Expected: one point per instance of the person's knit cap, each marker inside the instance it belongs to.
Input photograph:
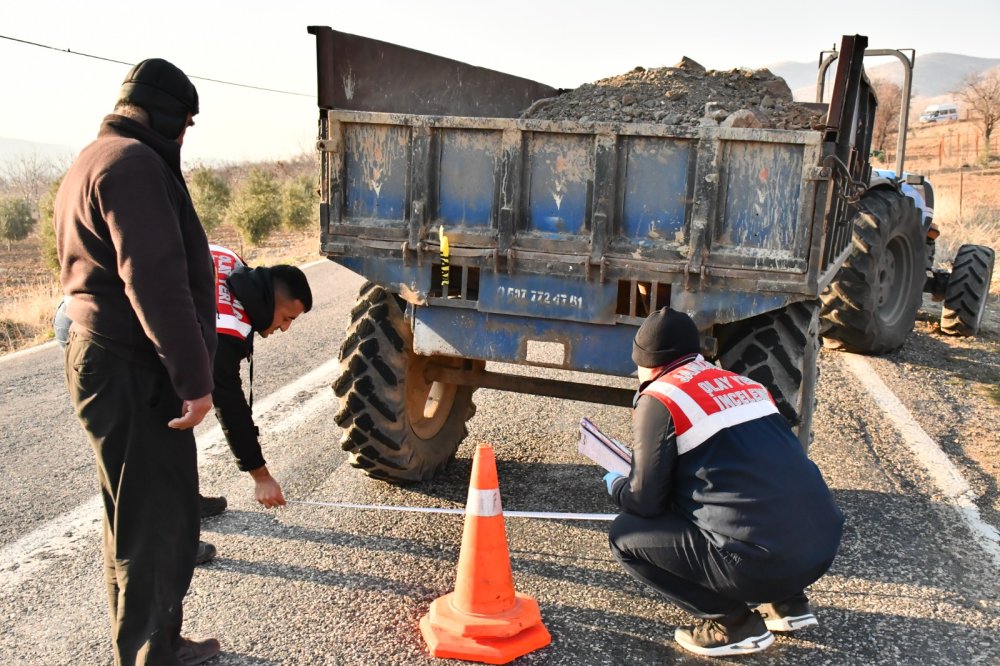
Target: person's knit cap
(164, 92)
(665, 336)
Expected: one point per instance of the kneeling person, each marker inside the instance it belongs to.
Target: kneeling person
(722, 512)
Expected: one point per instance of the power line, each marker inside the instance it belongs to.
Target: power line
(130, 64)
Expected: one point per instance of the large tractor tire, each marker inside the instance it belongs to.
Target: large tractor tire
(967, 290)
(397, 426)
(872, 303)
(779, 349)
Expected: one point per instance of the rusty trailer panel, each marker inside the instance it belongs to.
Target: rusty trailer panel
(709, 208)
(364, 74)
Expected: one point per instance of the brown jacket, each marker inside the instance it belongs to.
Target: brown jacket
(134, 255)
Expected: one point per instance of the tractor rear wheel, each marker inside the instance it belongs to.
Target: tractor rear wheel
(967, 290)
(397, 426)
(779, 349)
(872, 303)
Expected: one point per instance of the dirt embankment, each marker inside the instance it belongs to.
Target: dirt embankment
(687, 95)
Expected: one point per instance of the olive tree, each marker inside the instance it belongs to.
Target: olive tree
(47, 229)
(16, 221)
(298, 203)
(210, 196)
(255, 207)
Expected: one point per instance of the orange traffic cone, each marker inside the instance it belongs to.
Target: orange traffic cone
(484, 619)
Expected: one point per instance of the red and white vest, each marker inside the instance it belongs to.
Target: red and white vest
(704, 399)
(230, 319)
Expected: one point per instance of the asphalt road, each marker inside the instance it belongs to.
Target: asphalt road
(318, 585)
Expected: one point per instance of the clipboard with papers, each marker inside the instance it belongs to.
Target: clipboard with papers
(606, 451)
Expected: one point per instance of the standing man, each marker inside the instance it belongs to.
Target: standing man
(263, 300)
(722, 510)
(135, 260)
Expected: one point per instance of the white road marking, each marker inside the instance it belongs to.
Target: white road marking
(945, 475)
(27, 352)
(67, 534)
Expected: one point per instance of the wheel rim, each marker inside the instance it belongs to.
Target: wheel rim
(894, 277)
(428, 404)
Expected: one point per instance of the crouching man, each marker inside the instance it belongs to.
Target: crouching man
(264, 300)
(722, 513)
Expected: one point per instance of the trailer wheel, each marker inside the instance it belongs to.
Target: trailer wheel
(967, 290)
(778, 349)
(397, 426)
(872, 303)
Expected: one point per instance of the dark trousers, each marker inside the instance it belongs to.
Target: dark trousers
(671, 555)
(148, 476)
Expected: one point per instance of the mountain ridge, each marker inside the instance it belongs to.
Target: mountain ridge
(934, 74)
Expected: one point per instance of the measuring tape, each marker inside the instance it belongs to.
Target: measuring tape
(544, 515)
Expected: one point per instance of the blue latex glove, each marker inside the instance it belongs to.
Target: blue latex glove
(609, 479)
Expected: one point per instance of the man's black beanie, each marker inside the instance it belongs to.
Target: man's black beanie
(164, 92)
(665, 336)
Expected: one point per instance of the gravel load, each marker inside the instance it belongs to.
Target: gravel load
(686, 94)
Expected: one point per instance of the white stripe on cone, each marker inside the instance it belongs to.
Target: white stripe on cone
(483, 503)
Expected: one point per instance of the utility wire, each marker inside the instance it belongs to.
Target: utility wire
(130, 64)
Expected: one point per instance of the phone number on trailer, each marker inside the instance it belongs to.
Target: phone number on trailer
(516, 294)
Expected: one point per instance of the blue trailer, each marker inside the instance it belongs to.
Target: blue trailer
(485, 237)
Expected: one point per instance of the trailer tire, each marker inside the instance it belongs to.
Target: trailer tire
(967, 291)
(871, 305)
(779, 349)
(396, 426)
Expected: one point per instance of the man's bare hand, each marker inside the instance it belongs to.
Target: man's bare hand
(268, 491)
(192, 412)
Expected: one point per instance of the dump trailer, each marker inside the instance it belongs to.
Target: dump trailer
(489, 238)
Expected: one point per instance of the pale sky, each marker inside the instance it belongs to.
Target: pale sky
(57, 98)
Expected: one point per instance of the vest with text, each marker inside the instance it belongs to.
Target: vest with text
(231, 319)
(704, 399)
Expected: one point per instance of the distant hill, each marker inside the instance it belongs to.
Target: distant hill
(797, 74)
(934, 74)
(13, 149)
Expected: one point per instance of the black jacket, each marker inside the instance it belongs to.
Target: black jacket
(750, 487)
(134, 256)
(254, 289)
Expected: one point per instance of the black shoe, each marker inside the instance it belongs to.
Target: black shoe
(206, 553)
(718, 638)
(211, 506)
(192, 652)
(791, 614)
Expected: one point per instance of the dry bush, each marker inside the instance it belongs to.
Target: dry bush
(979, 225)
(26, 314)
(967, 211)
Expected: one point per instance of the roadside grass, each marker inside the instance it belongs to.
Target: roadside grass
(979, 225)
(26, 314)
(967, 211)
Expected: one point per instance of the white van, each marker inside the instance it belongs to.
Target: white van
(936, 113)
